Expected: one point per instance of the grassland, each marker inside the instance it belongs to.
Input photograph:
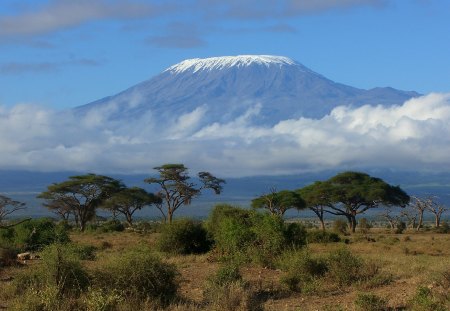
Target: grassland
(409, 262)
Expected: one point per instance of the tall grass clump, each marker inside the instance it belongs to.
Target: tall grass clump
(301, 270)
(60, 277)
(184, 236)
(138, 275)
(370, 302)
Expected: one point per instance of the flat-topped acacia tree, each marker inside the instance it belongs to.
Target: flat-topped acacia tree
(353, 193)
(82, 195)
(130, 200)
(177, 189)
(278, 202)
(7, 207)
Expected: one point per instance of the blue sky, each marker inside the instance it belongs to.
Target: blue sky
(62, 53)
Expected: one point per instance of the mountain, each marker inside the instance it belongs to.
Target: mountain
(224, 88)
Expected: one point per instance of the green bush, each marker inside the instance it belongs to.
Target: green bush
(84, 252)
(316, 236)
(251, 236)
(301, 270)
(344, 267)
(370, 302)
(184, 236)
(295, 234)
(35, 234)
(226, 274)
(60, 270)
(443, 228)
(138, 274)
(424, 300)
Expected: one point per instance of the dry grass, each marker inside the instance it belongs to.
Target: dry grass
(412, 258)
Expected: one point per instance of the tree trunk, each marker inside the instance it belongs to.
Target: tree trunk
(129, 220)
(353, 222)
(437, 221)
(169, 216)
(322, 223)
(419, 224)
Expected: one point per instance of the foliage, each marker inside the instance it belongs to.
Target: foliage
(351, 193)
(277, 203)
(301, 270)
(344, 267)
(226, 274)
(364, 225)
(60, 274)
(101, 300)
(8, 256)
(251, 235)
(316, 236)
(138, 274)
(370, 302)
(129, 200)
(112, 225)
(424, 300)
(176, 189)
(35, 234)
(401, 226)
(184, 236)
(81, 195)
(8, 207)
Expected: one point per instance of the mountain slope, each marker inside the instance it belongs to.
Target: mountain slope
(224, 88)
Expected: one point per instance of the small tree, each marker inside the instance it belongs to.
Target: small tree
(420, 205)
(130, 200)
(279, 202)
(82, 195)
(7, 207)
(317, 198)
(177, 189)
(351, 193)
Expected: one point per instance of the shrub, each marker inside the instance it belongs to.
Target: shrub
(401, 226)
(295, 234)
(301, 270)
(184, 236)
(316, 236)
(226, 274)
(84, 252)
(38, 233)
(138, 274)
(370, 302)
(344, 267)
(101, 300)
(60, 270)
(443, 228)
(340, 226)
(8, 256)
(423, 300)
(248, 235)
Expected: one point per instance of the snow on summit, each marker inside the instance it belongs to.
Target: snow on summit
(213, 63)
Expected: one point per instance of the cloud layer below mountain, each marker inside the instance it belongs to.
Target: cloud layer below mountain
(414, 136)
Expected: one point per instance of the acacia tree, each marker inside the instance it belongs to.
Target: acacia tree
(130, 200)
(420, 205)
(429, 204)
(317, 198)
(7, 207)
(351, 193)
(81, 194)
(354, 193)
(279, 202)
(176, 188)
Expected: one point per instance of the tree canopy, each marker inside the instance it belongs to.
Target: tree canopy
(351, 193)
(176, 188)
(279, 202)
(82, 195)
(129, 200)
(7, 207)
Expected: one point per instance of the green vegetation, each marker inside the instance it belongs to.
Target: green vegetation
(238, 259)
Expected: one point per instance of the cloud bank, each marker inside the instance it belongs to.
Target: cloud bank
(414, 136)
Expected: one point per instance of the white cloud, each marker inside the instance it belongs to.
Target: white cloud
(415, 135)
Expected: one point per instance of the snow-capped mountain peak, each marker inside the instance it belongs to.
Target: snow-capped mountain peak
(218, 63)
